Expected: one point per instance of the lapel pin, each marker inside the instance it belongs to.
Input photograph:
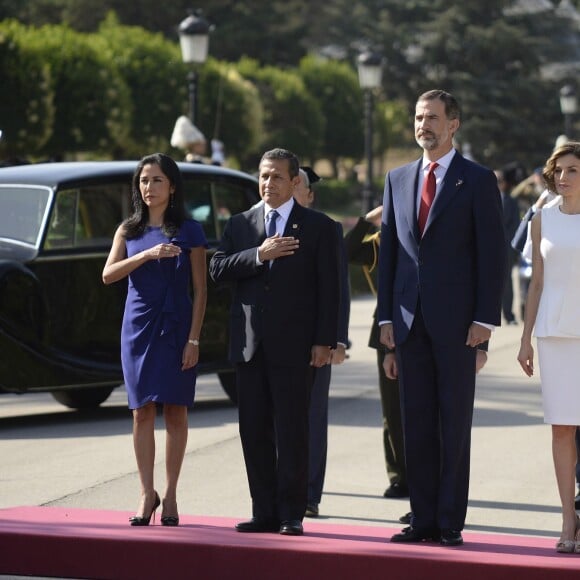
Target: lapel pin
(294, 226)
(459, 182)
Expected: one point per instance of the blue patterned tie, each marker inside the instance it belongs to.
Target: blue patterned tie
(271, 222)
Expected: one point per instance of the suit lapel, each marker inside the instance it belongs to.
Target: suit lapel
(294, 222)
(454, 179)
(256, 221)
(408, 200)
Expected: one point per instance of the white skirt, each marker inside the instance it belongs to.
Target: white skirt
(559, 360)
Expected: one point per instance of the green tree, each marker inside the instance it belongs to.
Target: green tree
(229, 107)
(93, 107)
(292, 117)
(493, 55)
(230, 110)
(27, 103)
(391, 129)
(32, 12)
(335, 86)
(272, 33)
(151, 68)
(492, 65)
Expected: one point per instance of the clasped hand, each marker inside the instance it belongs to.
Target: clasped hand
(477, 334)
(320, 356)
(163, 251)
(277, 247)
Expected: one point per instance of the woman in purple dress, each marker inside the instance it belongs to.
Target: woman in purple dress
(163, 253)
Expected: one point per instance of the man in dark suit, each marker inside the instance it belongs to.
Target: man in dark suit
(441, 266)
(511, 221)
(283, 262)
(318, 415)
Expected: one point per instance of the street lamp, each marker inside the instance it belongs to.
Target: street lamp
(369, 77)
(568, 106)
(194, 40)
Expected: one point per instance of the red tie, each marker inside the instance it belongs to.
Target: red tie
(427, 196)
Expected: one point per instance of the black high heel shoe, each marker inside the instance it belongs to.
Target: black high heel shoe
(169, 520)
(142, 520)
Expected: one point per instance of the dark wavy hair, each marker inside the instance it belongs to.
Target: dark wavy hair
(175, 213)
(570, 148)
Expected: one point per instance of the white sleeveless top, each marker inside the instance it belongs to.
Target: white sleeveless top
(559, 308)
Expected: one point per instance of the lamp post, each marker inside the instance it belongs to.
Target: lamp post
(369, 77)
(569, 107)
(194, 40)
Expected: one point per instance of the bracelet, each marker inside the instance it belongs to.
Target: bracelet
(193, 341)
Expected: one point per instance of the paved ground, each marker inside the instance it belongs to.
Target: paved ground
(513, 487)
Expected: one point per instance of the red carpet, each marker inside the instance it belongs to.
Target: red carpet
(77, 543)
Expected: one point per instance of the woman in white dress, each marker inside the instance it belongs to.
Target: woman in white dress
(553, 312)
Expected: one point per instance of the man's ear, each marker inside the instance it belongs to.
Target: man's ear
(454, 125)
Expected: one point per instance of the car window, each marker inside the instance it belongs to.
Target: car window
(22, 211)
(230, 198)
(198, 204)
(212, 201)
(87, 216)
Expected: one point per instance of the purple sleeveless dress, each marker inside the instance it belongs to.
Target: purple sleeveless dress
(157, 321)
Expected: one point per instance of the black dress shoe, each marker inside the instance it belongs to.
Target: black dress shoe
(258, 526)
(451, 538)
(291, 528)
(406, 519)
(411, 534)
(311, 510)
(396, 490)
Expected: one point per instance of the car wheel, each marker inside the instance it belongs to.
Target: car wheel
(228, 381)
(83, 398)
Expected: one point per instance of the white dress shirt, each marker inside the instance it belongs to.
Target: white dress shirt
(442, 166)
(283, 214)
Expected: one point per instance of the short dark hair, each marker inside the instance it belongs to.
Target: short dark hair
(452, 108)
(278, 153)
(570, 148)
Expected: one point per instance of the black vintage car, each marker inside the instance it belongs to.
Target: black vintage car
(59, 324)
